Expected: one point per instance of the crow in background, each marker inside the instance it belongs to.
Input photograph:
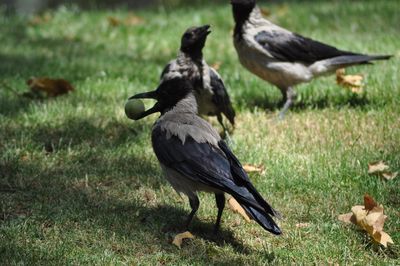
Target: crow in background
(211, 94)
(284, 58)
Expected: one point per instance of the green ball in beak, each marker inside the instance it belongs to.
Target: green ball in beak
(134, 108)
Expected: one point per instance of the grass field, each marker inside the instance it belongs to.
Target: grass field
(79, 183)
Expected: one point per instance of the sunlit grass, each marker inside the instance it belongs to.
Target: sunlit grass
(79, 183)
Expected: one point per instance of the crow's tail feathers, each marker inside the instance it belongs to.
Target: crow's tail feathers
(349, 60)
(263, 219)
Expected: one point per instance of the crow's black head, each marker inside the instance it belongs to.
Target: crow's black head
(168, 94)
(242, 9)
(194, 39)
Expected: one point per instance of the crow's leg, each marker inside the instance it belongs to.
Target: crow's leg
(194, 204)
(284, 96)
(224, 132)
(289, 97)
(220, 199)
(219, 117)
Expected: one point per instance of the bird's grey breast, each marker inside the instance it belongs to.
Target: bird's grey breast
(204, 93)
(261, 63)
(183, 125)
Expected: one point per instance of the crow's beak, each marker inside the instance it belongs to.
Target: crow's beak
(204, 30)
(147, 95)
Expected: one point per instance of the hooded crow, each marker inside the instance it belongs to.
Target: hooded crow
(211, 94)
(193, 157)
(284, 58)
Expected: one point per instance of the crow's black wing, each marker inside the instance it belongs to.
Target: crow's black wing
(208, 165)
(241, 178)
(221, 98)
(292, 47)
(201, 162)
(166, 69)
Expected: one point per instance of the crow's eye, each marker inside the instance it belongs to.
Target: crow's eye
(188, 35)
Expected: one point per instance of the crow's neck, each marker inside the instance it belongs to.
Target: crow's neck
(185, 59)
(186, 105)
(196, 56)
(253, 16)
(240, 16)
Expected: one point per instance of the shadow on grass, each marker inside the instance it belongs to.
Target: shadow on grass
(89, 191)
(52, 197)
(270, 104)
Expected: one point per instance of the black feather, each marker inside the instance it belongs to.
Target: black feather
(221, 98)
(265, 221)
(293, 47)
(241, 178)
(166, 69)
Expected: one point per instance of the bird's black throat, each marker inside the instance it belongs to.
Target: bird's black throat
(194, 52)
(241, 15)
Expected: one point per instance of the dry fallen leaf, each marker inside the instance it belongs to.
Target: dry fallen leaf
(347, 218)
(265, 11)
(389, 175)
(180, 237)
(40, 19)
(51, 87)
(113, 21)
(216, 65)
(383, 238)
(282, 10)
(381, 169)
(235, 206)
(370, 218)
(377, 167)
(131, 20)
(253, 168)
(353, 82)
(302, 225)
(369, 202)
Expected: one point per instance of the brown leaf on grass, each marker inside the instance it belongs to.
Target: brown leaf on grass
(353, 82)
(133, 20)
(51, 87)
(265, 11)
(377, 167)
(369, 202)
(302, 225)
(282, 10)
(40, 19)
(235, 206)
(114, 21)
(389, 175)
(216, 65)
(383, 238)
(381, 169)
(249, 168)
(130, 20)
(370, 218)
(347, 218)
(178, 239)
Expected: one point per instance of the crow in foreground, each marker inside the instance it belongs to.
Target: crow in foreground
(194, 158)
(284, 58)
(210, 91)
